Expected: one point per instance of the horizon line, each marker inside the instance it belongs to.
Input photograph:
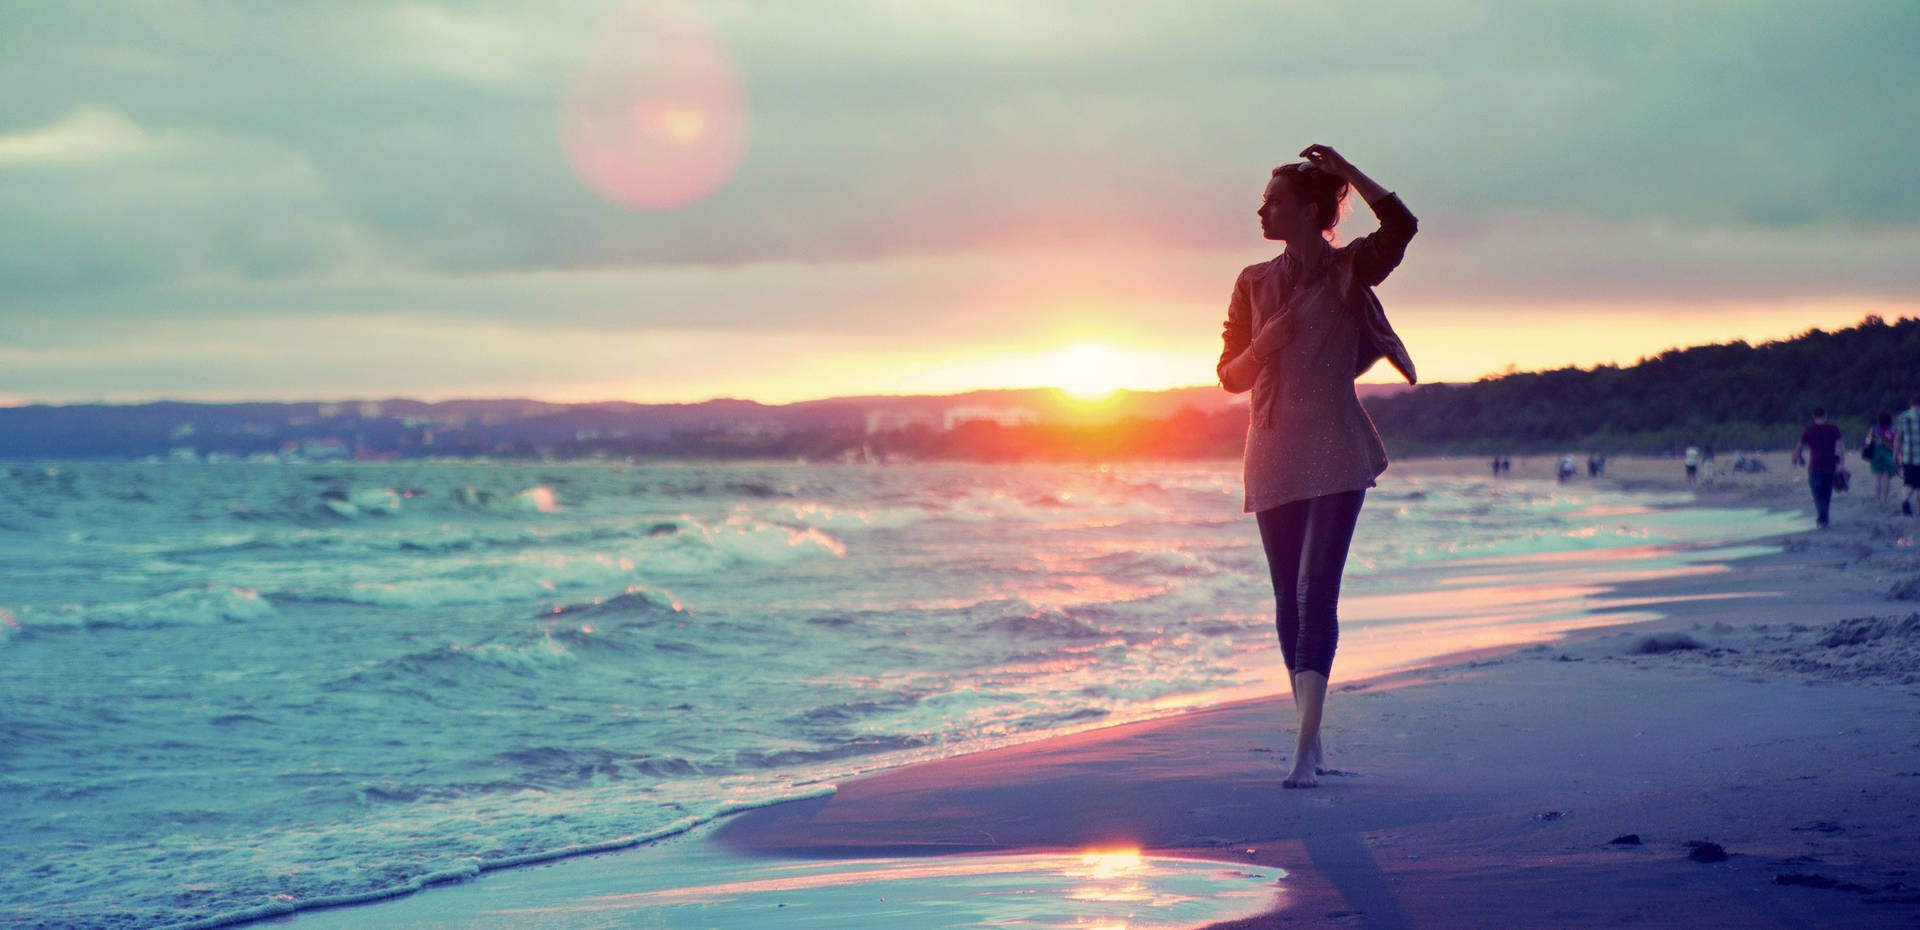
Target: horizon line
(583, 403)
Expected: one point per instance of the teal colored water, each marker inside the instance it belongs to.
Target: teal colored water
(231, 687)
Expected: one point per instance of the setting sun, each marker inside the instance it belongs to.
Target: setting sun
(1093, 370)
(1086, 370)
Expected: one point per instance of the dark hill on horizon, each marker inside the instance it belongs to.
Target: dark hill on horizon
(1730, 396)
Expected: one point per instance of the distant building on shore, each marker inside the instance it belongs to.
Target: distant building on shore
(886, 421)
(1004, 416)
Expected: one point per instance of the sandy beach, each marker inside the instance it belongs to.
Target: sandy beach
(720, 465)
(1747, 759)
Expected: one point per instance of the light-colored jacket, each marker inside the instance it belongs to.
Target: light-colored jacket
(1307, 433)
(1262, 290)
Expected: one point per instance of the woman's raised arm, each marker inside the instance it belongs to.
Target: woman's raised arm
(1376, 255)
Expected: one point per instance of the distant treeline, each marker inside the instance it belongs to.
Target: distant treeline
(1727, 397)
(1732, 396)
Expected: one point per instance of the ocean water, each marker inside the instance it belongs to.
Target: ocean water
(239, 689)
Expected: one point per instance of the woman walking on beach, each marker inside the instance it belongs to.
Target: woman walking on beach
(1299, 330)
(1879, 448)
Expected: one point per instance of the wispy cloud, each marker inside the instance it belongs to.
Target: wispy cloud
(85, 136)
(485, 47)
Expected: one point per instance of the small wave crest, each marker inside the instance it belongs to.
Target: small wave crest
(213, 603)
(496, 580)
(1046, 624)
(357, 502)
(559, 767)
(986, 506)
(1151, 564)
(529, 658)
(701, 549)
(845, 519)
(637, 602)
(379, 885)
(692, 549)
(343, 502)
(844, 749)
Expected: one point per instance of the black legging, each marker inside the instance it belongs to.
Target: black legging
(1306, 543)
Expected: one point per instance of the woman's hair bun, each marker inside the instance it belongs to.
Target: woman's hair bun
(1315, 175)
(1322, 188)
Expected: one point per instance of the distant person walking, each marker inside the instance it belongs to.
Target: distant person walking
(1880, 458)
(1299, 330)
(1693, 463)
(1906, 451)
(1822, 443)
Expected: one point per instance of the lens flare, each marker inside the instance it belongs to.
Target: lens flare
(654, 118)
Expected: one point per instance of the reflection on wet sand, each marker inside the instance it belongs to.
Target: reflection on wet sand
(1119, 889)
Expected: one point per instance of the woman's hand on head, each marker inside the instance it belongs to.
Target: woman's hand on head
(1326, 159)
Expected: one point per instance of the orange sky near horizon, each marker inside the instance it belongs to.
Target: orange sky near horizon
(1448, 344)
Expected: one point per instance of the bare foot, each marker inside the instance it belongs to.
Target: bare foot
(1302, 777)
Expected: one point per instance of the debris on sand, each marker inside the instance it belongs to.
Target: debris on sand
(1703, 851)
(1663, 642)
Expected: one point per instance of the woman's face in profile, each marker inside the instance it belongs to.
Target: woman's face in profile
(1280, 211)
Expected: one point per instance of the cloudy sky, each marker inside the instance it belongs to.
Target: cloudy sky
(587, 199)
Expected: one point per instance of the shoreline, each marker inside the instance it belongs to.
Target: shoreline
(1511, 819)
(869, 819)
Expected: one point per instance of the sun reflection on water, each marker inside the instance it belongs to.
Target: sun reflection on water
(1107, 863)
(1112, 876)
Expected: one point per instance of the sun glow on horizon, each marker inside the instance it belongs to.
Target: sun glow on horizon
(1087, 371)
